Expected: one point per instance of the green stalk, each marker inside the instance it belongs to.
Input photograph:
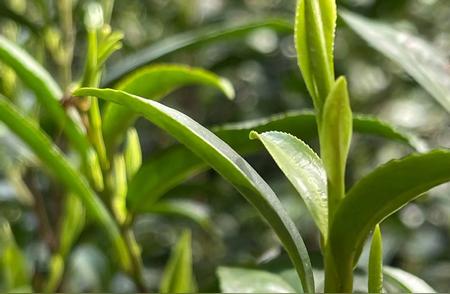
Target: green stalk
(135, 255)
(91, 79)
(68, 35)
(335, 135)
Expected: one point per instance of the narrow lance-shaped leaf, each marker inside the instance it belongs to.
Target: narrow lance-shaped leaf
(93, 22)
(203, 36)
(375, 283)
(335, 137)
(155, 177)
(378, 195)
(315, 23)
(178, 276)
(425, 63)
(241, 280)
(48, 94)
(304, 169)
(52, 158)
(154, 82)
(42, 84)
(227, 163)
(405, 282)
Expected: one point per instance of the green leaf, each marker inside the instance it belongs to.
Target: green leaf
(315, 23)
(42, 84)
(13, 264)
(302, 124)
(425, 63)
(378, 195)
(155, 177)
(375, 283)
(109, 42)
(154, 82)
(193, 210)
(227, 163)
(203, 36)
(335, 137)
(53, 159)
(304, 169)
(406, 282)
(240, 280)
(178, 276)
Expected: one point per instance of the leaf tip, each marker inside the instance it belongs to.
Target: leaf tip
(341, 82)
(227, 88)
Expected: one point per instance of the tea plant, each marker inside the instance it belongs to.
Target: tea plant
(98, 159)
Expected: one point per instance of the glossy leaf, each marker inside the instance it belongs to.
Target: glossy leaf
(406, 282)
(227, 163)
(378, 195)
(240, 280)
(425, 63)
(155, 177)
(53, 159)
(335, 137)
(178, 276)
(47, 91)
(315, 23)
(375, 283)
(208, 35)
(154, 82)
(302, 124)
(304, 169)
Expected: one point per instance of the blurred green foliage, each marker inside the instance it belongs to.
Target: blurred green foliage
(262, 67)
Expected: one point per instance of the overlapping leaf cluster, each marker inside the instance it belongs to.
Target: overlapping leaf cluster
(105, 181)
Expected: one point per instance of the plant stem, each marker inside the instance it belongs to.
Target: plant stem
(135, 255)
(90, 79)
(68, 36)
(41, 212)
